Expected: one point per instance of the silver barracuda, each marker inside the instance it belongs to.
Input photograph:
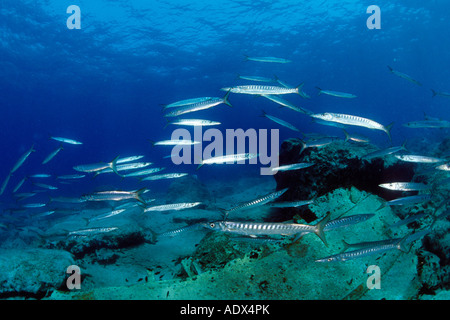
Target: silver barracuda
(295, 166)
(355, 137)
(105, 215)
(22, 159)
(352, 120)
(404, 201)
(200, 106)
(428, 124)
(285, 103)
(5, 183)
(268, 59)
(164, 176)
(418, 158)
(186, 102)
(257, 202)
(95, 167)
(317, 143)
(257, 229)
(143, 172)
(444, 167)
(336, 94)
(290, 204)
(71, 176)
(367, 249)
(261, 90)
(114, 196)
(229, 158)
(194, 122)
(66, 140)
(405, 186)
(21, 182)
(126, 167)
(129, 159)
(384, 152)
(256, 78)
(52, 155)
(173, 206)
(440, 93)
(176, 142)
(87, 232)
(404, 76)
(280, 122)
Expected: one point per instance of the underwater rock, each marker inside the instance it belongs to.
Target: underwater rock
(124, 237)
(337, 165)
(32, 273)
(288, 270)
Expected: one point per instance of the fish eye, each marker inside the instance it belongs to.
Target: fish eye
(212, 224)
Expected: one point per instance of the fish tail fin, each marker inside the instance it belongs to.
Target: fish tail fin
(225, 99)
(113, 165)
(263, 113)
(319, 228)
(152, 142)
(390, 69)
(347, 136)
(138, 194)
(402, 245)
(434, 93)
(320, 91)
(303, 143)
(387, 129)
(346, 246)
(224, 213)
(404, 146)
(246, 57)
(87, 220)
(167, 123)
(199, 166)
(299, 88)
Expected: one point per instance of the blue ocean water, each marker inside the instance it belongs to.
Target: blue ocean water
(105, 83)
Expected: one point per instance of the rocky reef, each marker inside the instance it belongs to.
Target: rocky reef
(336, 165)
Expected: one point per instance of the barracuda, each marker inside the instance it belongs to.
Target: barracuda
(280, 122)
(405, 186)
(173, 206)
(255, 229)
(336, 94)
(200, 106)
(257, 202)
(262, 90)
(367, 249)
(352, 120)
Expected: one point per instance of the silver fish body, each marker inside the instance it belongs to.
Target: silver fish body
(261, 90)
(255, 229)
(337, 94)
(418, 158)
(66, 140)
(22, 159)
(405, 186)
(368, 249)
(173, 206)
(352, 120)
(281, 122)
(258, 202)
(294, 166)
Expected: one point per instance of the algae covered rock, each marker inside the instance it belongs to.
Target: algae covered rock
(32, 272)
(337, 165)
